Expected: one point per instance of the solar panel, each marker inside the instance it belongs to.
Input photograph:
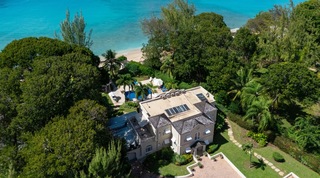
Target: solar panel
(177, 109)
(187, 108)
(201, 97)
(167, 111)
(172, 111)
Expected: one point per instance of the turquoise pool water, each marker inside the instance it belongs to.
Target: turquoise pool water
(115, 23)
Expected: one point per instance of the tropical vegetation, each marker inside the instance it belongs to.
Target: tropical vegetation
(265, 78)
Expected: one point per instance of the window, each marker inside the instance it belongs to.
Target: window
(207, 131)
(166, 141)
(197, 136)
(149, 148)
(167, 131)
(189, 138)
(188, 150)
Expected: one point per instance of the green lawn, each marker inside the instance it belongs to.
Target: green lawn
(240, 159)
(174, 170)
(290, 165)
(142, 77)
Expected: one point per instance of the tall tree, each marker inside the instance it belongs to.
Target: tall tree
(66, 145)
(250, 93)
(243, 77)
(306, 133)
(125, 80)
(152, 88)
(291, 81)
(141, 90)
(53, 86)
(244, 45)
(260, 114)
(110, 162)
(74, 32)
(112, 63)
(248, 147)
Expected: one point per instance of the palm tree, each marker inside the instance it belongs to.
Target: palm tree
(249, 93)
(125, 80)
(259, 112)
(113, 65)
(152, 88)
(248, 147)
(167, 66)
(244, 76)
(141, 90)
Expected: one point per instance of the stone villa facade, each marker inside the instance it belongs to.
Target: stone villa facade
(181, 119)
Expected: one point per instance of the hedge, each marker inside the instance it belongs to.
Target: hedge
(288, 146)
(242, 123)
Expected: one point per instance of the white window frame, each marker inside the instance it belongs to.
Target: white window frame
(188, 138)
(148, 148)
(167, 131)
(208, 131)
(188, 150)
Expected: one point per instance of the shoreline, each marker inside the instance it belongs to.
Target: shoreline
(133, 54)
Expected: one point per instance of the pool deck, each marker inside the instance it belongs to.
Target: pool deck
(119, 93)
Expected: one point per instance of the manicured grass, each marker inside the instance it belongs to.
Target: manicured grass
(240, 159)
(142, 77)
(128, 107)
(290, 164)
(174, 170)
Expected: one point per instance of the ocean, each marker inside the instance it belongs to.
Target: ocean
(115, 23)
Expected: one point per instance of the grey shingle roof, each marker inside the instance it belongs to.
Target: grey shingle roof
(185, 126)
(159, 121)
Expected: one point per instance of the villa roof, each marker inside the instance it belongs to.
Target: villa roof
(174, 99)
(159, 121)
(184, 126)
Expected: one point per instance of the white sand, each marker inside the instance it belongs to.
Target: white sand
(132, 54)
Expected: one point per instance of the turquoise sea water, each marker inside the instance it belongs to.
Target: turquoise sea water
(115, 23)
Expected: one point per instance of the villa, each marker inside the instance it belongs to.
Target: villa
(181, 119)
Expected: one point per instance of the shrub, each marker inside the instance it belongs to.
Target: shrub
(133, 68)
(122, 58)
(184, 85)
(260, 138)
(234, 107)
(278, 157)
(180, 160)
(288, 146)
(200, 165)
(188, 158)
(242, 123)
(212, 148)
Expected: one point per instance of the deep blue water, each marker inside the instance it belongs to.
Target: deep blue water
(115, 23)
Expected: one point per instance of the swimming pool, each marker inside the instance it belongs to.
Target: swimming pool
(131, 94)
(121, 128)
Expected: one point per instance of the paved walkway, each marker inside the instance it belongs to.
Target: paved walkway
(230, 133)
(219, 168)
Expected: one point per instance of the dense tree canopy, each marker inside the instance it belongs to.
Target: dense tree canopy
(41, 78)
(66, 145)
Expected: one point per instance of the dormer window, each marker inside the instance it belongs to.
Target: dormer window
(167, 131)
(189, 138)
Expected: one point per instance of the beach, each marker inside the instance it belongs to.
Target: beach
(131, 54)
(134, 54)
